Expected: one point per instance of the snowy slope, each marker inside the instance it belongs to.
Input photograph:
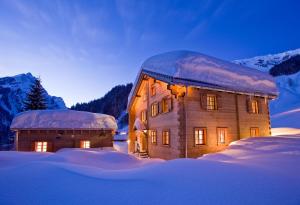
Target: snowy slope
(13, 92)
(260, 171)
(288, 86)
(266, 62)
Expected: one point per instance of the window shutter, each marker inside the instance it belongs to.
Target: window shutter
(219, 101)
(170, 103)
(260, 108)
(160, 106)
(248, 105)
(203, 101)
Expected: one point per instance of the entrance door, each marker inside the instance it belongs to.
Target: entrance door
(141, 142)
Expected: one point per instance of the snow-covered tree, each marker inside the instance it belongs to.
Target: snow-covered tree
(36, 97)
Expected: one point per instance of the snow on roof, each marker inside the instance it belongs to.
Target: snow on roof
(63, 119)
(196, 69)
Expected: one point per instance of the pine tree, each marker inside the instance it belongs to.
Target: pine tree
(36, 97)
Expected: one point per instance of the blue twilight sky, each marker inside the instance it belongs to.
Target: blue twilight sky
(81, 49)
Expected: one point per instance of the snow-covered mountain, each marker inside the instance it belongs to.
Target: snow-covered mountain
(13, 91)
(266, 62)
(285, 110)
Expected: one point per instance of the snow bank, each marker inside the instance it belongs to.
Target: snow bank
(260, 171)
(63, 119)
(202, 68)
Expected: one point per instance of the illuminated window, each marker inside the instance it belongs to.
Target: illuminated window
(85, 144)
(254, 106)
(144, 96)
(144, 116)
(154, 109)
(153, 136)
(166, 137)
(41, 146)
(254, 132)
(166, 104)
(200, 134)
(222, 134)
(153, 90)
(211, 102)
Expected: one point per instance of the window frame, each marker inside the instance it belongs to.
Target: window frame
(153, 90)
(204, 130)
(256, 131)
(153, 136)
(144, 115)
(255, 108)
(164, 105)
(152, 109)
(225, 135)
(163, 138)
(85, 144)
(214, 106)
(43, 146)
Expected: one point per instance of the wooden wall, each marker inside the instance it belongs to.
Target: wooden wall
(58, 139)
(232, 113)
(188, 113)
(164, 121)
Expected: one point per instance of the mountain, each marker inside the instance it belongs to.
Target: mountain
(285, 67)
(288, 67)
(13, 92)
(266, 62)
(112, 103)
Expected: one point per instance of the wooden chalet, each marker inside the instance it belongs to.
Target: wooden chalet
(186, 104)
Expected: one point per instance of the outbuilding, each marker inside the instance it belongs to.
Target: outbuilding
(51, 130)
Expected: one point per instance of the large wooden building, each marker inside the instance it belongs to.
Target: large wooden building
(51, 130)
(186, 104)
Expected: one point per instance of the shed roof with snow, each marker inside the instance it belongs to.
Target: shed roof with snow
(63, 119)
(195, 69)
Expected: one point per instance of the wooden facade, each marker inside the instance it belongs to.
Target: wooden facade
(55, 139)
(197, 120)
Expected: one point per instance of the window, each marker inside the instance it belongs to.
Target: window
(154, 109)
(200, 135)
(211, 102)
(254, 106)
(254, 132)
(166, 137)
(153, 90)
(144, 116)
(165, 105)
(144, 97)
(41, 146)
(222, 134)
(85, 144)
(153, 136)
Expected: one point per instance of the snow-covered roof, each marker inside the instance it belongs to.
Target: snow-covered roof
(196, 69)
(63, 119)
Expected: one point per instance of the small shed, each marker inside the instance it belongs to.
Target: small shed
(51, 130)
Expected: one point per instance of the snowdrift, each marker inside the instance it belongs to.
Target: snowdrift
(252, 171)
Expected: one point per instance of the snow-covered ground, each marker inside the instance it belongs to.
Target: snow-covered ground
(252, 171)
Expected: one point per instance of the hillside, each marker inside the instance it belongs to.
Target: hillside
(266, 62)
(285, 67)
(13, 91)
(112, 103)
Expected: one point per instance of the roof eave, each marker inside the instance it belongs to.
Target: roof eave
(191, 83)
